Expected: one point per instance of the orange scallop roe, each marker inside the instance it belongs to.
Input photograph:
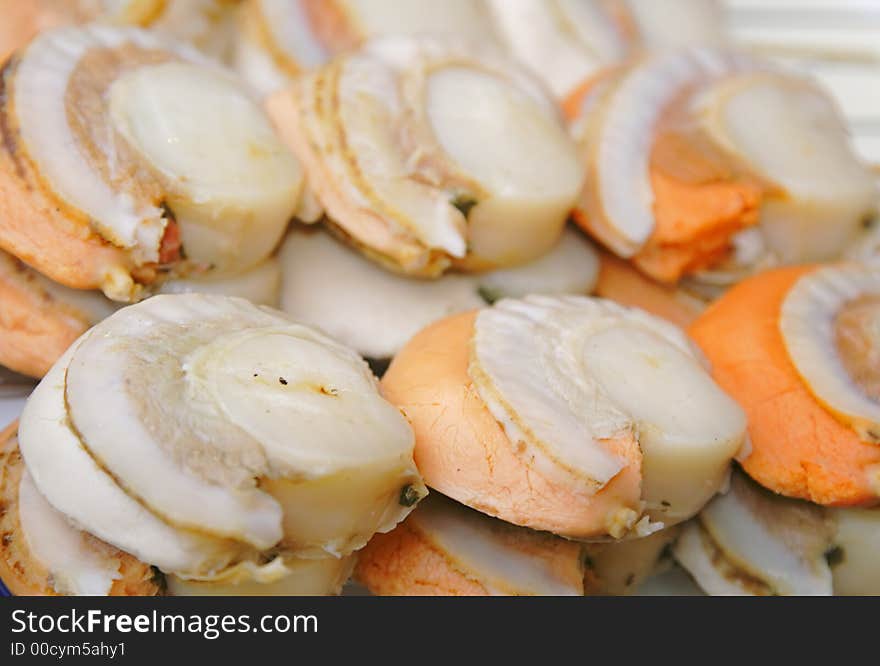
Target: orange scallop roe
(463, 452)
(699, 204)
(35, 228)
(694, 224)
(799, 449)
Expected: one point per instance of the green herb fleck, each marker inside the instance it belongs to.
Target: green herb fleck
(464, 203)
(835, 556)
(489, 295)
(408, 496)
(378, 365)
(159, 580)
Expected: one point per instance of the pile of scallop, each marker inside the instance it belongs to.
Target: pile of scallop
(620, 280)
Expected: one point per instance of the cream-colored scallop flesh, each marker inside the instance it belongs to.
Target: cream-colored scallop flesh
(531, 183)
(571, 267)
(231, 183)
(788, 132)
(292, 44)
(749, 541)
(688, 428)
(255, 64)
(857, 537)
(621, 137)
(283, 576)
(562, 41)
(132, 12)
(594, 26)
(292, 33)
(394, 226)
(697, 555)
(371, 113)
(71, 480)
(866, 248)
(93, 306)
(238, 409)
(360, 304)
(461, 19)
(620, 567)
(118, 403)
(749, 254)
(384, 138)
(807, 323)
(675, 24)
(75, 566)
(209, 25)
(505, 559)
(345, 424)
(562, 374)
(376, 312)
(260, 285)
(39, 90)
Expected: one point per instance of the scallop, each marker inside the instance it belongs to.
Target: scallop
(376, 312)
(199, 163)
(619, 134)
(359, 303)
(75, 565)
(231, 184)
(419, 181)
(272, 443)
(260, 284)
(854, 556)
(830, 324)
(621, 567)
(749, 541)
(565, 376)
(571, 267)
(504, 558)
(788, 132)
(283, 576)
(447, 548)
(560, 40)
(54, 455)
